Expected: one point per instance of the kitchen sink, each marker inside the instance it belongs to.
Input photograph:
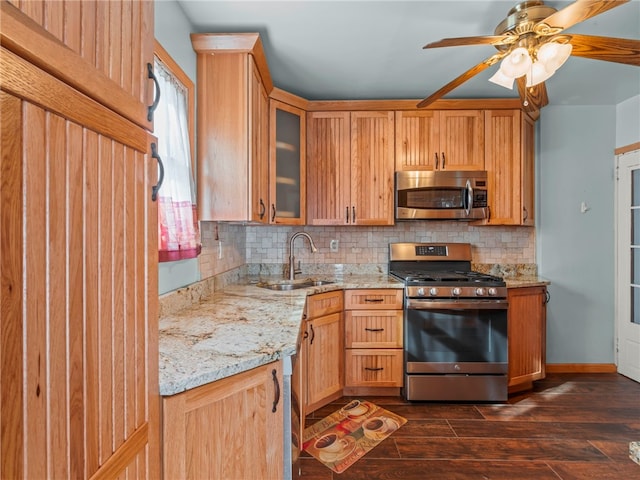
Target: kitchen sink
(295, 285)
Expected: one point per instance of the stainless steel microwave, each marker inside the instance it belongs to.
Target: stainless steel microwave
(441, 195)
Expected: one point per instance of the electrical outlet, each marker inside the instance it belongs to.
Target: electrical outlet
(219, 249)
(333, 246)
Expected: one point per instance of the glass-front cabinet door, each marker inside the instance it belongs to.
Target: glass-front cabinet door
(287, 190)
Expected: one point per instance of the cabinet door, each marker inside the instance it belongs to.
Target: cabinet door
(527, 334)
(328, 168)
(417, 140)
(259, 118)
(504, 166)
(287, 165)
(325, 360)
(461, 140)
(79, 376)
(115, 39)
(231, 428)
(372, 167)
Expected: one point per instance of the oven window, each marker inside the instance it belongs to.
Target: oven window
(432, 198)
(456, 336)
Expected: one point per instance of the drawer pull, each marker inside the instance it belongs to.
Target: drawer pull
(374, 329)
(374, 300)
(374, 369)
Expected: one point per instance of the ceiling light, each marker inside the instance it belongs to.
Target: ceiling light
(517, 63)
(553, 54)
(538, 74)
(501, 79)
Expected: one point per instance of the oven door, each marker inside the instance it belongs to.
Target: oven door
(456, 336)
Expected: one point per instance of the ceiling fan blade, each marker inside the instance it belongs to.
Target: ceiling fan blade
(618, 50)
(461, 79)
(533, 98)
(577, 12)
(462, 41)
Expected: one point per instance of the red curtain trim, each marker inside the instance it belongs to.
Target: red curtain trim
(174, 255)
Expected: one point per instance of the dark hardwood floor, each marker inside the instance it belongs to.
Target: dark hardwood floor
(571, 426)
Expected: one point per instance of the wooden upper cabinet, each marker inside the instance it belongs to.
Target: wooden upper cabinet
(233, 118)
(350, 168)
(114, 38)
(439, 140)
(287, 163)
(328, 167)
(79, 377)
(510, 167)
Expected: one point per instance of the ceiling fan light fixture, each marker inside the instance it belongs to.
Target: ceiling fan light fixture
(553, 54)
(517, 63)
(501, 79)
(538, 74)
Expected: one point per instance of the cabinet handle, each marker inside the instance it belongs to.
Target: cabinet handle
(547, 297)
(276, 385)
(306, 335)
(436, 158)
(263, 209)
(374, 300)
(374, 329)
(525, 214)
(273, 212)
(353, 214)
(156, 100)
(374, 369)
(489, 213)
(442, 160)
(156, 187)
(347, 215)
(313, 334)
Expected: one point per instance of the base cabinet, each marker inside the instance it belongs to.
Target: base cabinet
(373, 340)
(323, 349)
(231, 428)
(527, 336)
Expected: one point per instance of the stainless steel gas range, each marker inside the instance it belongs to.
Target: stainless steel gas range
(455, 324)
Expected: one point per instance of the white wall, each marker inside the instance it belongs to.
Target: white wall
(172, 30)
(576, 250)
(628, 122)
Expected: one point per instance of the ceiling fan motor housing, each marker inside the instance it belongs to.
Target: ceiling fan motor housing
(522, 19)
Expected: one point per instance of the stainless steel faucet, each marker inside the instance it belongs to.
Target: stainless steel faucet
(292, 260)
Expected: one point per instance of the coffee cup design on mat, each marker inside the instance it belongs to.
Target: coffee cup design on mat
(375, 428)
(355, 408)
(330, 443)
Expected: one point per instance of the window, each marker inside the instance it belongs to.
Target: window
(178, 233)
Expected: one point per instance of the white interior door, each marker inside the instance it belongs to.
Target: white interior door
(628, 264)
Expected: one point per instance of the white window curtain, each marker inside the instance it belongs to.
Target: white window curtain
(178, 233)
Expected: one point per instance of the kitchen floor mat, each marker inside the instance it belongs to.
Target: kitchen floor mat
(345, 436)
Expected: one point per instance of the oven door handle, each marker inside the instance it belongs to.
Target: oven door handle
(479, 304)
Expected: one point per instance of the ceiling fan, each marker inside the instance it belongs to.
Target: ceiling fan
(531, 47)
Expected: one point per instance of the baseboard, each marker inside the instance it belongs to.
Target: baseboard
(581, 368)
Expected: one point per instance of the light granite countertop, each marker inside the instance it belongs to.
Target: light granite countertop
(525, 281)
(238, 328)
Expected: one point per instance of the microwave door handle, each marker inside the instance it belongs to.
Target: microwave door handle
(469, 199)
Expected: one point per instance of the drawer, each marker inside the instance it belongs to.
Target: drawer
(373, 299)
(373, 328)
(373, 368)
(322, 304)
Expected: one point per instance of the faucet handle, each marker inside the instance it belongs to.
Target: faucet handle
(299, 269)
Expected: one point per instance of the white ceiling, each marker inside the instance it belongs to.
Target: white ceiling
(332, 50)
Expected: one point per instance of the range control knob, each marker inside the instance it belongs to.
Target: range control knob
(455, 291)
(480, 291)
(493, 292)
(433, 291)
(421, 292)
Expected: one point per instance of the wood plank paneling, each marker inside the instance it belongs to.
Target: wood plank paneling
(462, 140)
(372, 167)
(417, 139)
(373, 328)
(328, 167)
(12, 328)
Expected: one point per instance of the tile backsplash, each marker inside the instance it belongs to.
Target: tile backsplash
(227, 246)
